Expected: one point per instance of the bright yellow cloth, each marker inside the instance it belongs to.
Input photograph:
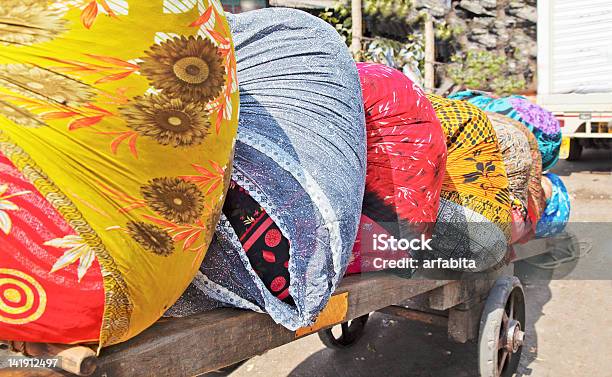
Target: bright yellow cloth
(130, 109)
(475, 172)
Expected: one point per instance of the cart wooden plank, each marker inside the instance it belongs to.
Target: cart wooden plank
(205, 342)
(215, 339)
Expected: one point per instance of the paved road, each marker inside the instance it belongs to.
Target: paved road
(569, 330)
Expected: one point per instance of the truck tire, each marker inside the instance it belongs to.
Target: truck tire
(575, 150)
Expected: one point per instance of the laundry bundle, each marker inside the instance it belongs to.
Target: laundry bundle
(406, 158)
(517, 157)
(518, 161)
(540, 121)
(475, 209)
(291, 217)
(536, 199)
(524, 220)
(115, 155)
(557, 211)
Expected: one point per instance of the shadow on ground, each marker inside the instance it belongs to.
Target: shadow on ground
(591, 161)
(394, 347)
(422, 350)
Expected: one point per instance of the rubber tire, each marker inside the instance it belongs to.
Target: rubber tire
(490, 326)
(226, 370)
(575, 150)
(348, 338)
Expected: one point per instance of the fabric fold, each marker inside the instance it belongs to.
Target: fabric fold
(300, 155)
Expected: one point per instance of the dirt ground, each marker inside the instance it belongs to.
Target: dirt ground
(569, 330)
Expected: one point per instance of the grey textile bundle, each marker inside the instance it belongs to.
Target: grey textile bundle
(301, 154)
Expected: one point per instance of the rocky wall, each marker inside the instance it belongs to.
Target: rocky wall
(501, 26)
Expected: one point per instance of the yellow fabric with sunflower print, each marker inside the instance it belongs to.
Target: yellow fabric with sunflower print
(123, 114)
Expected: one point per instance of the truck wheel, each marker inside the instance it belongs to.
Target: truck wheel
(575, 150)
(502, 327)
(351, 333)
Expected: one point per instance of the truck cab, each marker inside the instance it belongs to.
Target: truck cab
(575, 71)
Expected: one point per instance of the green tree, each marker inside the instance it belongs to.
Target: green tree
(485, 70)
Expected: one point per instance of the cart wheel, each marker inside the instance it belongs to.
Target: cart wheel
(502, 327)
(351, 333)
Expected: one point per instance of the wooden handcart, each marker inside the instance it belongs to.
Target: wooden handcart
(490, 306)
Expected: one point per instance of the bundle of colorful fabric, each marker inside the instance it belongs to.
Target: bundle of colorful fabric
(474, 217)
(518, 161)
(517, 158)
(406, 154)
(541, 122)
(557, 211)
(536, 200)
(115, 155)
(290, 221)
(524, 223)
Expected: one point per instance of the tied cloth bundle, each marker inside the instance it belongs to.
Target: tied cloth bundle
(521, 164)
(541, 123)
(557, 211)
(406, 156)
(474, 220)
(117, 123)
(287, 231)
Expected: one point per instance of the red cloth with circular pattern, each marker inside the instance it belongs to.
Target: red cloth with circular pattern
(265, 245)
(406, 155)
(34, 294)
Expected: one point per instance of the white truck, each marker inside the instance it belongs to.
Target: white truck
(575, 71)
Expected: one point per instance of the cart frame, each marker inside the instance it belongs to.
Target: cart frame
(175, 346)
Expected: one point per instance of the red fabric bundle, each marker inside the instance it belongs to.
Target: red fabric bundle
(406, 159)
(67, 304)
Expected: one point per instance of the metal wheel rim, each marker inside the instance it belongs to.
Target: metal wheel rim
(511, 335)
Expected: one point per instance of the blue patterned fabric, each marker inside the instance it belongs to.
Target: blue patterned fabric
(557, 211)
(540, 122)
(301, 154)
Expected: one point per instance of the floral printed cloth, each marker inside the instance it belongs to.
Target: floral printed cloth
(301, 155)
(557, 211)
(526, 216)
(474, 220)
(541, 122)
(517, 158)
(262, 240)
(406, 160)
(117, 124)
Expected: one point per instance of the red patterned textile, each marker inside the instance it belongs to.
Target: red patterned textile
(50, 305)
(265, 245)
(406, 154)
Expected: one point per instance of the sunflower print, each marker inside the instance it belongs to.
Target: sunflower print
(211, 224)
(170, 121)
(118, 93)
(43, 84)
(175, 199)
(20, 116)
(25, 22)
(186, 67)
(151, 238)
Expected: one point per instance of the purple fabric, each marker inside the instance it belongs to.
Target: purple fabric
(542, 119)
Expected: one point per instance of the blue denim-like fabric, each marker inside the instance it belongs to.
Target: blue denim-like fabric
(301, 153)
